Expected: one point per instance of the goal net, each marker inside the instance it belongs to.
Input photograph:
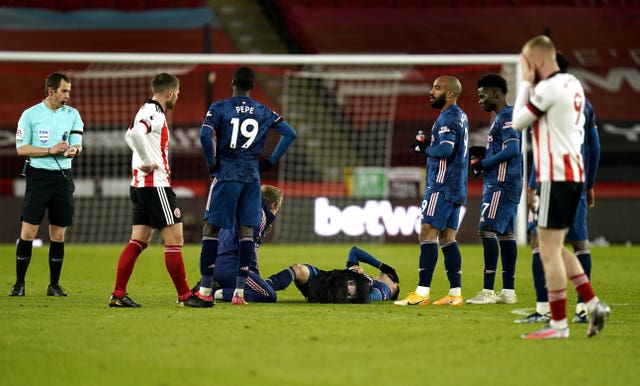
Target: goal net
(349, 177)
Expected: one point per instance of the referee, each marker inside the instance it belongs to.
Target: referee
(49, 134)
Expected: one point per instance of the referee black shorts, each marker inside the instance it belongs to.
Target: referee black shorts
(558, 203)
(48, 190)
(156, 207)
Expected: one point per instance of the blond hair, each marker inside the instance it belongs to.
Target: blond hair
(542, 45)
(271, 194)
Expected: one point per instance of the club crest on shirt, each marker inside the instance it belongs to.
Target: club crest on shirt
(176, 213)
(43, 135)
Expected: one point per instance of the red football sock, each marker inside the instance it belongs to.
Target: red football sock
(558, 304)
(126, 262)
(583, 286)
(175, 266)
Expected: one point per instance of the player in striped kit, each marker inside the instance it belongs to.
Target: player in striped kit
(153, 201)
(501, 170)
(445, 193)
(240, 126)
(577, 235)
(553, 103)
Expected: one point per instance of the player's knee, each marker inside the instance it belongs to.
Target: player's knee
(302, 273)
(486, 234)
(245, 231)
(580, 245)
(210, 230)
(506, 236)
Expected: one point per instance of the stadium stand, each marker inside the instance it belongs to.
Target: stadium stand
(120, 5)
(607, 62)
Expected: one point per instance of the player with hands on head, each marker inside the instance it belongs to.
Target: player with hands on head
(501, 170)
(554, 101)
(154, 204)
(240, 126)
(445, 193)
(577, 234)
(49, 134)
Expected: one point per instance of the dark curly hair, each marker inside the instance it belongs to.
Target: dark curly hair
(493, 80)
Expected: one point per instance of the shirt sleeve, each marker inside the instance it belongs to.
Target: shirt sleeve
(23, 132)
(75, 136)
(287, 136)
(136, 140)
(524, 113)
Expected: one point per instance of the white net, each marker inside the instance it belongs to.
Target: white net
(108, 95)
(352, 170)
(350, 175)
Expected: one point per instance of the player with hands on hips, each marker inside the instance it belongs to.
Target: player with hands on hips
(153, 201)
(240, 126)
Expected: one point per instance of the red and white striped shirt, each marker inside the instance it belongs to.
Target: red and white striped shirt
(554, 108)
(148, 137)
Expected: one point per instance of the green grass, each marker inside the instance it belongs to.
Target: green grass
(80, 341)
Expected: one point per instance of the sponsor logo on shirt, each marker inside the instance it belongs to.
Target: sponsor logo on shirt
(19, 135)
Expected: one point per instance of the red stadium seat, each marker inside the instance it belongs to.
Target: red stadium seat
(46, 4)
(101, 4)
(160, 4)
(187, 3)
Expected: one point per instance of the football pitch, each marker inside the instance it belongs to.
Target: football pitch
(79, 340)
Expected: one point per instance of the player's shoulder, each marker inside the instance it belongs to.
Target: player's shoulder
(261, 107)
(151, 107)
(150, 111)
(504, 118)
(454, 115)
(506, 112)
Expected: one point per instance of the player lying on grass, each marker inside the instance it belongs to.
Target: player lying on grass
(350, 285)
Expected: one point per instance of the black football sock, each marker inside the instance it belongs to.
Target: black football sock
(427, 262)
(245, 253)
(23, 258)
(56, 255)
(282, 279)
(509, 254)
(539, 281)
(490, 250)
(453, 264)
